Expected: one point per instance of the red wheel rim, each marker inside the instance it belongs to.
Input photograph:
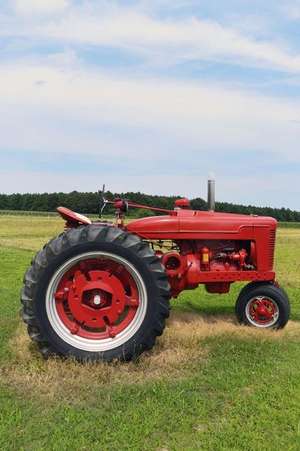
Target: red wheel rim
(97, 299)
(262, 311)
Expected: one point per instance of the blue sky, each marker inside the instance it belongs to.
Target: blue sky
(152, 96)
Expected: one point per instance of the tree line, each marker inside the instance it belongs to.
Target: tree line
(88, 202)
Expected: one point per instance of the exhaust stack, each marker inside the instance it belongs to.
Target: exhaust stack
(211, 192)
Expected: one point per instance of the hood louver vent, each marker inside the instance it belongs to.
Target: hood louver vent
(272, 248)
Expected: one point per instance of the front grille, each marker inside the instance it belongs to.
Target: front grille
(272, 247)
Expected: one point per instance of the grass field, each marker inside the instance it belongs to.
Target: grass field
(208, 384)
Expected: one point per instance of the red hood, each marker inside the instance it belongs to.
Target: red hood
(197, 222)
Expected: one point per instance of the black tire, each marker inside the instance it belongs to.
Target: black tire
(269, 291)
(88, 239)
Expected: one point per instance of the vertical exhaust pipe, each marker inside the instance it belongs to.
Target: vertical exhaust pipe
(211, 193)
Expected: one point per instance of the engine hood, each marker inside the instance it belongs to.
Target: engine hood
(194, 224)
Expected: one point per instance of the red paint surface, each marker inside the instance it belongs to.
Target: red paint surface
(215, 249)
(78, 289)
(208, 230)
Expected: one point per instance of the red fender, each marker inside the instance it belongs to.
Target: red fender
(72, 218)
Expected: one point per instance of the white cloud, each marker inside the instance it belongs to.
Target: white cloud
(291, 9)
(39, 6)
(169, 41)
(158, 41)
(52, 109)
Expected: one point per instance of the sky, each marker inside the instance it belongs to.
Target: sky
(152, 96)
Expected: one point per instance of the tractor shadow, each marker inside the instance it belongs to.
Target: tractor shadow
(211, 311)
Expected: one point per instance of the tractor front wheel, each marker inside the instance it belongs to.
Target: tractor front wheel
(263, 305)
(95, 293)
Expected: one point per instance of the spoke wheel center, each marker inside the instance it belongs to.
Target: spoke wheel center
(262, 311)
(97, 299)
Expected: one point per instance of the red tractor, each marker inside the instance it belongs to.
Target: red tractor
(101, 290)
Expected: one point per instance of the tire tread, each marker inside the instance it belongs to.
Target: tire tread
(97, 234)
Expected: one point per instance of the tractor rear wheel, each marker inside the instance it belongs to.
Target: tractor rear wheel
(95, 293)
(263, 305)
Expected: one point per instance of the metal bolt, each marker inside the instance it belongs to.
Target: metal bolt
(97, 299)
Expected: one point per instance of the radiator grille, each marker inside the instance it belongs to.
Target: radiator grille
(272, 247)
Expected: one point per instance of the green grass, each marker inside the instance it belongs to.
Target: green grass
(208, 384)
(289, 225)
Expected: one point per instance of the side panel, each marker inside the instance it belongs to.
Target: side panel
(192, 228)
(200, 225)
(156, 227)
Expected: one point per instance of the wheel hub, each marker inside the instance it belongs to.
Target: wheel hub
(96, 299)
(263, 311)
(84, 298)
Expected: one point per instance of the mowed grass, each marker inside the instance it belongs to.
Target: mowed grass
(208, 384)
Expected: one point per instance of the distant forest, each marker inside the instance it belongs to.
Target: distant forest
(89, 203)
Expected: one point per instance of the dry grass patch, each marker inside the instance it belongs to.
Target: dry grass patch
(179, 349)
(172, 356)
(193, 327)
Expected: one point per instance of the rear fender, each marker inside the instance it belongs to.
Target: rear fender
(72, 218)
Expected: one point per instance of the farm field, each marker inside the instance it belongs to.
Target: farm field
(209, 384)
